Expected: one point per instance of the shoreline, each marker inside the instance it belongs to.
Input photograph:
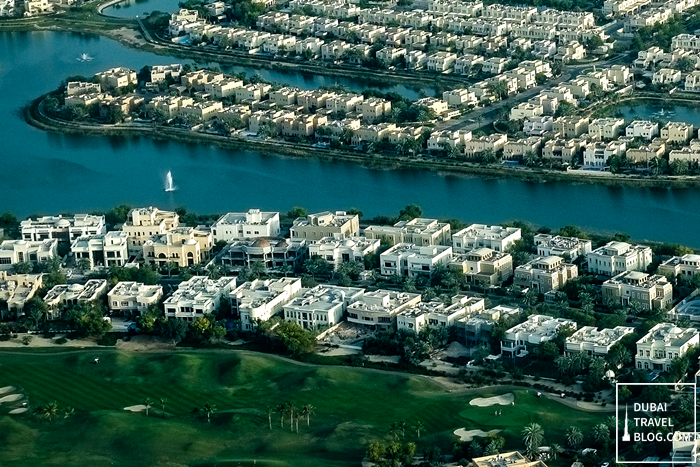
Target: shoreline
(34, 116)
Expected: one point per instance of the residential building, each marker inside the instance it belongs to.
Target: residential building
(666, 76)
(685, 266)
(494, 237)
(325, 224)
(338, 250)
(634, 288)
(458, 97)
(568, 248)
(591, 341)
(642, 129)
(321, 306)
(657, 148)
(22, 251)
(280, 254)
(374, 108)
(184, 246)
(144, 223)
(517, 149)
(15, 291)
(251, 224)
(441, 61)
(510, 459)
(571, 51)
(538, 126)
(65, 296)
(446, 139)
(419, 231)
(437, 314)
(544, 274)
(692, 81)
(597, 153)
(537, 330)
(483, 266)
(133, 298)
(259, 300)
(684, 154)
(571, 126)
(378, 309)
(606, 128)
(102, 250)
(664, 342)
(197, 297)
(65, 229)
(477, 327)
(117, 78)
(160, 73)
(526, 110)
(677, 132)
(409, 260)
(494, 142)
(76, 88)
(616, 257)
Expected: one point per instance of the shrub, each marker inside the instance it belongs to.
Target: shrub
(61, 341)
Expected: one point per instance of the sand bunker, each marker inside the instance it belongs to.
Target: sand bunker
(11, 398)
(136, 408)
(18, 411)
(468, 435)
(505, 399)
(7, 389)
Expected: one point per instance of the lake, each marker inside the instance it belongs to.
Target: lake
(52, 173)
(132, 8)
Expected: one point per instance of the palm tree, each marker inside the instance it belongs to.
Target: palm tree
(306, 411)
(398, 429)
(291, 410)
(418, 427)
(147, 403)
(555, 450)
(601, 433)
(48, 412)
(163, 401)
(533, 436)
(574, 436)
(269, 411)
(196, 412)
(68, 412)
(281, 409)
(209, 409)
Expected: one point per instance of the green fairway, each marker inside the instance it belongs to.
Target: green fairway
(352, 406)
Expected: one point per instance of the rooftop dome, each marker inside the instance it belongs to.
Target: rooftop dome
(191, 242)
(610, 374)
(282, 244)
(63, 223)
(349, 243)
(261, 243)
(76, 287)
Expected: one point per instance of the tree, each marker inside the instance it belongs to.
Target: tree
(281, 409)
(574, 436)
(83, 264)
(209, 409)
(533, 436)
(163, 401)
(601, 433)
(48, 412)
(24, 267)
(418, 427)
(68, 412)
(410, 212)
(148, 403)
(306, 411)
(555, 450)
(316, 265)
(398, 430)
(35, 311)
(269, 411)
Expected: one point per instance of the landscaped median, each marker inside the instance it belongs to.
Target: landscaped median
(35, 115)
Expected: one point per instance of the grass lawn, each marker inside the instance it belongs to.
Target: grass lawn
(352, 406)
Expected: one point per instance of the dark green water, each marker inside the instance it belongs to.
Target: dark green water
(51, 173)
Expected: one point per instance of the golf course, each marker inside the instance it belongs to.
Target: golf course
(351, 406)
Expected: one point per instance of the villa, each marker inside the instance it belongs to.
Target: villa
(536, 330)
(259, 300)
(378, 309)
(251, 224)
(593, 342)
(197, 297)
(664, 342)
(133, 298)
(322, 306)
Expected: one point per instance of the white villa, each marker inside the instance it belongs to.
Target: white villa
(324, 305)
(590, 340)
(663, 343)
(262, 299)
(536, 330)
(133, 298)
(197, 297)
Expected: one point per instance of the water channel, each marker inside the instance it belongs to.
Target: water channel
(51, 173)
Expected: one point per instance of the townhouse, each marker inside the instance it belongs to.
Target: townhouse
(642, 129)
(606, 128)
(117, 78)
(377, 310)
(664, 342)
(638, 288)
(563, 150)
(677, 132)
(102, 250)
(617, 257)
(337, 250)
(198, 296)
(459, 97)
(571, 126)
(133, 298)
(260, 300)
(538, 126)
(544, 274)
(494, 237)
(538, 329)
(569, 248)
(494, 142)
(666, 76)
(321, 306)
(418, 231)
(445, 139)
(251, 224)
(517, 149)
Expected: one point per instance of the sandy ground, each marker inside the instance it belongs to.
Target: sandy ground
(337, 352)
(136, 408)
(439, 365)
(468, 435)
(7, 389)
(505, 399)
(39, 341)
(142, 342)
(456, 350)
(11, 398)
(384, 358)
(18, 411)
